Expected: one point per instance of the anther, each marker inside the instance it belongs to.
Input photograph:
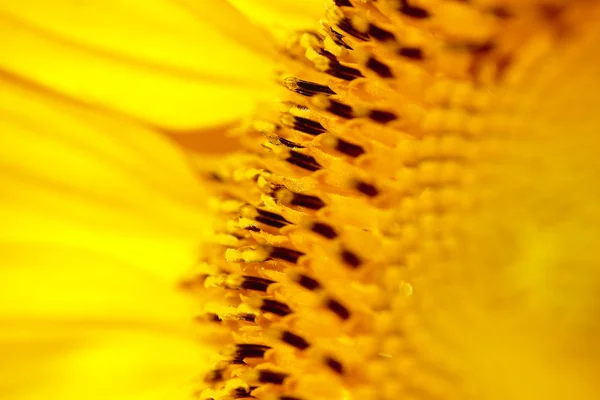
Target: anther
(337, 308)
(270, 218)
(380, 34)
(255, 283)
(289, 398)
(294, 340)
(324, 230)
(289, 143)
(303, 161)
(307, 282)
(306, 88)
(267, 376)
(246, 317)
(241, 351)
(414, 12)
(343, 3)
(338, 39)
(307, 201)
(285, 254)
(346, 25)
(275, 307)
(382, 116)
(210, 317)
(215, 375)
(343, 72)
(379, 68)
(414, 53)
(366, 189)
(350, 259)
(352, 150)
(240, 393)
(304, 125)
(334, 365)
(334, 107)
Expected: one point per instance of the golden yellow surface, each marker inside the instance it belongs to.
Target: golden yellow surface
(102, 212)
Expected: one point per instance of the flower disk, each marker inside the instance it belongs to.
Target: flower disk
(353, 248)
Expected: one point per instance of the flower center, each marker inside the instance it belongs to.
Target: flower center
(342, 222)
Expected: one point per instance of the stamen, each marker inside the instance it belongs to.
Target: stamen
(334, 364)
(301, 124)
(343, 3)
(255, 283)
(275, 307)
(241, 393)
(246, 317)
(285, 254)
(307, 201)
(266, 376)
(324, 230)
(338, 39)
(414, 53)
(352, 150)
(306, 88)
(337, 308)
(379, 68)
(350, 259)
(241, 351)
(367, 189)
(303, 161)
(414, 12)
(346, 25)
(215, 375)
(343, 72)
(271, 218)
(380, 34)
(294, 340)
(289, 143)
(307, 282)
(382, 116)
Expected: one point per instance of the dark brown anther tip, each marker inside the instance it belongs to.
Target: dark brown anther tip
(382, 117)
(324, 230)
(338, 309)
(307, 282)
(255, 283)
(380, 34)
(413, 12)
(350, 259)
(303, 161)
(307, 201)
(379, 68)
(275, 307)
(334, 365)
(267, 376)
(294, 340)
(286, 254)
(413, 53)
(367, 189)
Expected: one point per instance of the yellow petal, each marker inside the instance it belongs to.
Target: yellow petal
(282, 16)
(154, 60)
(100, 217)
(90, 203)
(84, 361)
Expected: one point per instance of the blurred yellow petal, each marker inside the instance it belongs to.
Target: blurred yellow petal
(155, 60)
(88, 361)
(282, 17)
(101, 217)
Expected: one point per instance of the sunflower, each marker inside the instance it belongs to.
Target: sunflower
(295, 200)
